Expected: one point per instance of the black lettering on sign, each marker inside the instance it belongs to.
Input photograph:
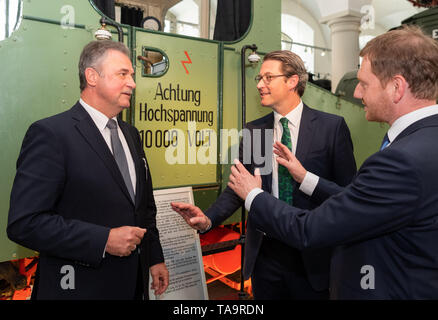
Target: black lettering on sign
(175, 93)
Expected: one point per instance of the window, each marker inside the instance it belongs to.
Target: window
(213, 11)
(10, 17)
(363, 40)
(155, 62)
(183, 18)
(296, 34)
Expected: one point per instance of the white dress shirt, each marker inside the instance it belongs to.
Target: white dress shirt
(101, 121)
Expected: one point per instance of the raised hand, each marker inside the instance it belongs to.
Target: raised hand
(287, 159)
(192, 215)
(241, 181)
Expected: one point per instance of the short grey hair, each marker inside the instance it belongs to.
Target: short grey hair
(92, 55)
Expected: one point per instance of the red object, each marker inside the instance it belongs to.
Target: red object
(429, 4)
(226, 262)
(25, 293)
(188, 61)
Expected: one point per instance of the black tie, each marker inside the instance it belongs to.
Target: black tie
(120, 156)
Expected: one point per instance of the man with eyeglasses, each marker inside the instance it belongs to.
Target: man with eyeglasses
(322, 143)
(384, 224)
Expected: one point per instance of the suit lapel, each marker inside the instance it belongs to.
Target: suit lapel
(267, 125)
(92, 135)
(306, 133)
(305, 136)
(431, 121)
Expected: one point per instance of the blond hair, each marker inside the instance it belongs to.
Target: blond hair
(291, 64)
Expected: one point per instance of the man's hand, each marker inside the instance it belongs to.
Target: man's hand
(192, 215)
(160, 278)
(287, 159)
(241, 181)
(123, 240)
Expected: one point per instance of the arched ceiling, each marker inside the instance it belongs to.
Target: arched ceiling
(388, 13)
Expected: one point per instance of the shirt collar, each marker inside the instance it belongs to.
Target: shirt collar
(406, 120)
(293, 116)
(98, 117)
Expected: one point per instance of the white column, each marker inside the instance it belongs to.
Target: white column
(345, 46)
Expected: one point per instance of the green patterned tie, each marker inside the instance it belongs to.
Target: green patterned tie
(285, 180)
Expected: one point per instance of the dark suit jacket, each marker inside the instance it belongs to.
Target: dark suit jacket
(67, 194)
(384, 222)
(324, 148)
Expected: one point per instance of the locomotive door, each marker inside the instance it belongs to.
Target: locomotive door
(176, 107)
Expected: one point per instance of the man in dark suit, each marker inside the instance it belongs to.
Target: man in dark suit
(322, 142)
(384, 223)
(82, 195)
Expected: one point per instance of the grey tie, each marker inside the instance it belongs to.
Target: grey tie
(120, 156)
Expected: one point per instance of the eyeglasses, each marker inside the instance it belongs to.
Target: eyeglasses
(267, 78)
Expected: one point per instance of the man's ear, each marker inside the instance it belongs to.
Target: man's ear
(399, 87)
(91, 76)
(292, 82)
